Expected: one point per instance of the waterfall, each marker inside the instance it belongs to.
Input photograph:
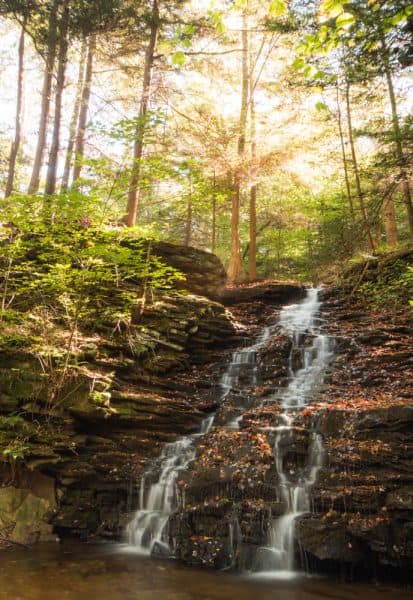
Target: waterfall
(310, 355)
(314, 350)
(147, 531)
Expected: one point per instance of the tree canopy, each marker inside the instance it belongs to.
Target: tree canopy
(278, 135)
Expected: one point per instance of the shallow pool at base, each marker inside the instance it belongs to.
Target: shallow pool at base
(77, 571)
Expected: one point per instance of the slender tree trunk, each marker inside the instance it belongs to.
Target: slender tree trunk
(360, 194)
(214, 217)
(18, 123)
(84, 109)
(188, 222)
(279, 252)
(75, 117)
(252, 252)
(235, 265)
(399, 151)
(344, 158)
(390, 222)
(46, 98)
(50, 187)
(133, 194)
(378, 230)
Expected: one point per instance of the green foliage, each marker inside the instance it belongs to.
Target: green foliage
(178, 58)
(216, 19)
(393, 288)
(277, 8)
(68, 267)
(15, 432)
(16, 451)
(60, 279)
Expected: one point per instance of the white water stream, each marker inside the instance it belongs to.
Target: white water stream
(147, 532)
(314, 351)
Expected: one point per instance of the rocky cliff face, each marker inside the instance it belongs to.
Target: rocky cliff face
(363, 500)
(69, 462)
(362, 511)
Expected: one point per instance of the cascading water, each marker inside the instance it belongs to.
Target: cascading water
(147, 531)
(313, 351)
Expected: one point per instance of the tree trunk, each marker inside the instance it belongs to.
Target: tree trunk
(344, 158)
(214, 218)
(399, 151)
(360, 194)
(390, 222)
(188, 223)
(84, 109)
(50, 186)
(235, 264)
(75, 117)
(133, 194)
(18, 122)
(46, 97)
(252, 252)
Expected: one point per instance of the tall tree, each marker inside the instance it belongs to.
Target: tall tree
(390, 222)
(63, 31)
(50, 51)
(398, 144)
(75, 117)
(84, 109)
(375, 41)
(18, 119)
(235, 270)
(252, 248)
(133, 193)
(356, 171)
(349, 192)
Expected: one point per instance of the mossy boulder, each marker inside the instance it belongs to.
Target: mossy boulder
(26, 512)
(204, 272)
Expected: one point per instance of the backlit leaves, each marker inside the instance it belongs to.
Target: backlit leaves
(277, 8)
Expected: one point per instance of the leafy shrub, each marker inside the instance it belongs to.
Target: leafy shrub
(393, 287)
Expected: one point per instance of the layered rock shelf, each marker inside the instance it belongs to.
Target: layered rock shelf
(363, 500)
(71, 465)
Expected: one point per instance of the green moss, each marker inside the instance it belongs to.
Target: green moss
(14, 341)
(100, 398)
(10, 316)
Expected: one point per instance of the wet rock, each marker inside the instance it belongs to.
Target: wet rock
(402, 499)
(276, 293)
(365, 417)
(328, 540)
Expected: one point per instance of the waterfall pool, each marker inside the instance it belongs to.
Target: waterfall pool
(76, 571)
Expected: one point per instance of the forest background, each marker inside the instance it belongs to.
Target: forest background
(276, 134)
